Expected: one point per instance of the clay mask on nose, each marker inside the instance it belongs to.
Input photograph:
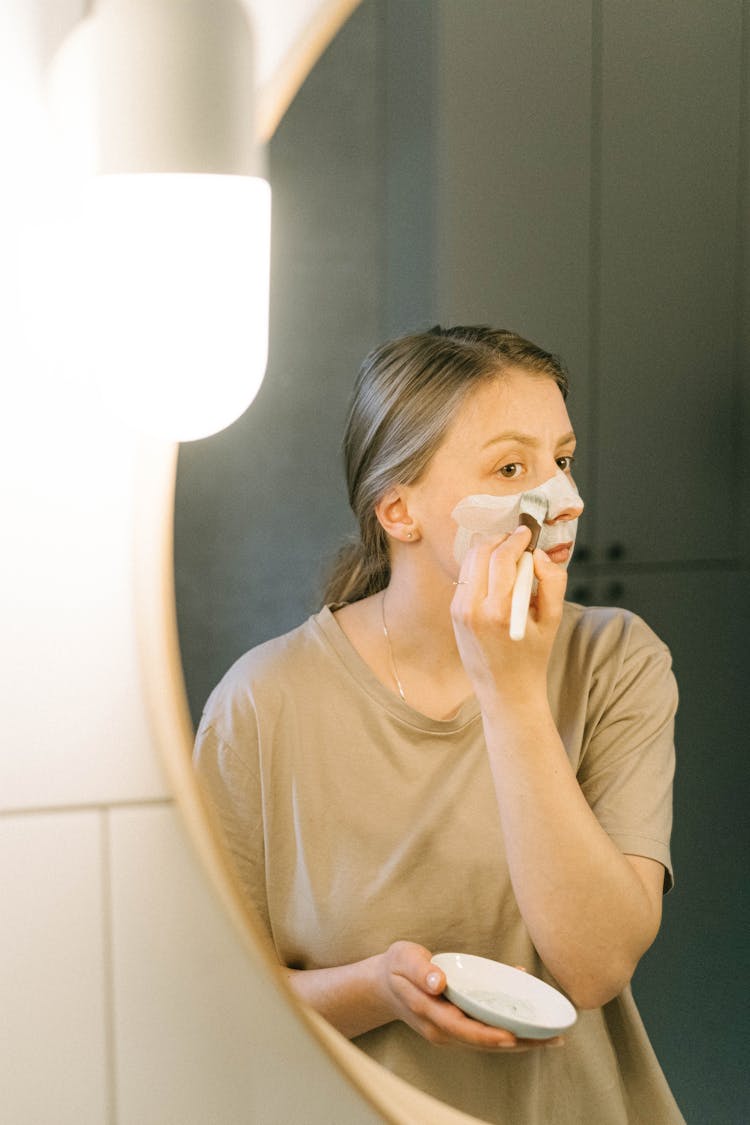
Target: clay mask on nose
(487, 516)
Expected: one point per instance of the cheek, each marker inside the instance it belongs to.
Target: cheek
(479, 516)
(438, 533)
(431, 511)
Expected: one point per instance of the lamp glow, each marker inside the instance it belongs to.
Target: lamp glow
(170, 230)
(177, 334)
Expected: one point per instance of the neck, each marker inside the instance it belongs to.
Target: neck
(418, 616)
(425, 666)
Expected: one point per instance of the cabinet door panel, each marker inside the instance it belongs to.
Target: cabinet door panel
(668, 296)
(687, 986)
(513, 171)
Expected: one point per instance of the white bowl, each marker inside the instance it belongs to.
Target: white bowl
(502, 996)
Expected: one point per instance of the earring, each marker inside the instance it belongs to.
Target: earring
(409, 534)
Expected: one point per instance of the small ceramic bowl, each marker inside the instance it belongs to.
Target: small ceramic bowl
(502, 996)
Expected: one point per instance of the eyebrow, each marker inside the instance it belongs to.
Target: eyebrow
(526, 439)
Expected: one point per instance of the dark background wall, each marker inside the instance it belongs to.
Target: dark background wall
(577, 171)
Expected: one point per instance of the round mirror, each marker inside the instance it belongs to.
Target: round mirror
(522, 166)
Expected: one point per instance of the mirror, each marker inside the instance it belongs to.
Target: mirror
(577, 173)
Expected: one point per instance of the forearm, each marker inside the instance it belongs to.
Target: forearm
(348, 996)
(400, 984)
(586, 908)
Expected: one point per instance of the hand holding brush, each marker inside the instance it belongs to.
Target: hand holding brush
(533, 512)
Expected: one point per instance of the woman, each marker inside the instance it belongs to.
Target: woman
(397, 777)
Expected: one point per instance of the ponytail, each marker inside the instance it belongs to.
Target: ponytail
(356, 573)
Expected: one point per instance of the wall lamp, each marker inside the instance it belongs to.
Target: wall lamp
(167, 220)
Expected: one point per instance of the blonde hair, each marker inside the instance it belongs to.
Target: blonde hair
(406, 395)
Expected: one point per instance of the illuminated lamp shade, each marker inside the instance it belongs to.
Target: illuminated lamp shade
(169, 237)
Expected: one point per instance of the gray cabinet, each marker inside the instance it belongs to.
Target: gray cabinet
(667, 213)
(688, 986)
(593, 194)
(588, 193)
(512, 184)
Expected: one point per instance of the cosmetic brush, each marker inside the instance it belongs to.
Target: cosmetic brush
(533, 512)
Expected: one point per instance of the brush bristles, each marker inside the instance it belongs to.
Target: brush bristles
(533, 512)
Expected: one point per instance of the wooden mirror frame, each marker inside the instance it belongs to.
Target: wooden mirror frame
(166, 697)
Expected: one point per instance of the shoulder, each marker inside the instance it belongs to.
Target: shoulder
(263, 677)
(608, 642)
(612, 646)
(608, 630)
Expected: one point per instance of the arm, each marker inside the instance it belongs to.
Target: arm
(590, 910)
(400, 984)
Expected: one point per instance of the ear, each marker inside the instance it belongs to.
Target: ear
(393, 516)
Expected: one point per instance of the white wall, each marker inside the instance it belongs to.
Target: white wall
(127, 993)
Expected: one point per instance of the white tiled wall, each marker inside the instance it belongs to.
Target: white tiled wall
(53, 1021)
(198, 1033)
(67, 496)
(126, 996)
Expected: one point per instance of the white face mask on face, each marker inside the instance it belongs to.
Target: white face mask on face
(487, 516)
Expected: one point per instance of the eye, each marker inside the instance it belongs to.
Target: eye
(510, 471)
(565, 463)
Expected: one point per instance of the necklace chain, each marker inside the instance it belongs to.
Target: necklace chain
(390, 650)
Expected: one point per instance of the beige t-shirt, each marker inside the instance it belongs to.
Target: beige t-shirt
(356, 821)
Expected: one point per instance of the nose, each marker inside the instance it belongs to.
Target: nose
(572, 512)
(564, 503)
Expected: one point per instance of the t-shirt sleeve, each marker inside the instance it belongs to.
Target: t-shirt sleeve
(230, 782)
(627, 769)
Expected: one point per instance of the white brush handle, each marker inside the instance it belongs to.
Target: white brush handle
(519, 605)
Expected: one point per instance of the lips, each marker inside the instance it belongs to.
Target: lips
(560, 553)
(558, 540)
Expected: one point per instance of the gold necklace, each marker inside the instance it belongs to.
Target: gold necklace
(390, 650)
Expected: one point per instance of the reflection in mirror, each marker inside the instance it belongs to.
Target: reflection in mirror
(524, 167)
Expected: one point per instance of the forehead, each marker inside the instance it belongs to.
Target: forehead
(516, 400)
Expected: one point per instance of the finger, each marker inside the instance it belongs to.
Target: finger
(440, 1022)
(551, 589)
(490, 558)
(455, 1025)
(436, 1018)
(504, 565)
(535, 1044)
(473, 576)
(414, 963)
(435, 981)
(523, 1045)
